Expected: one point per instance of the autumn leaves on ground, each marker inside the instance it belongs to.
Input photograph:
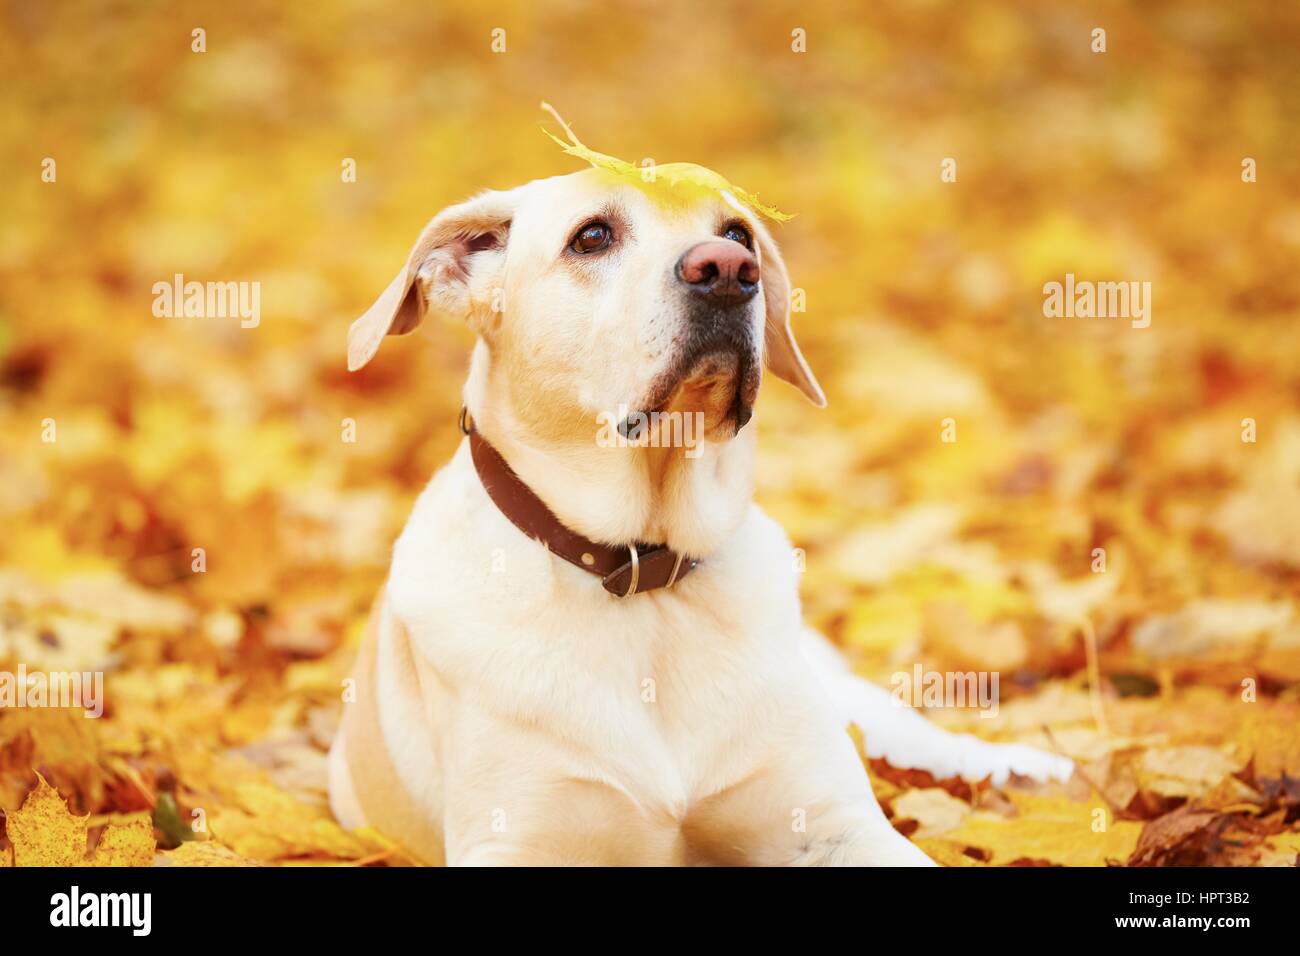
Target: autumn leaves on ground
(185, 513)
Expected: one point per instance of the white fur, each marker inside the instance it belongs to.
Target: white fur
(534, 717)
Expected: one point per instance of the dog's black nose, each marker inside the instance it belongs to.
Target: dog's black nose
(722, 272)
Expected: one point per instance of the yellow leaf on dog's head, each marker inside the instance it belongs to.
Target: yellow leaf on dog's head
(675, 175)
(44, 833)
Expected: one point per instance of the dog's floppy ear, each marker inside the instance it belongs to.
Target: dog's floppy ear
(445, 271)
(780, 350)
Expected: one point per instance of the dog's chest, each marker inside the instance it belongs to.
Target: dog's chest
(666, 696)
(665, 680)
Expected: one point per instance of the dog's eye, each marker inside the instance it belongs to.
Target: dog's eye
(592, 237)
(738, 233)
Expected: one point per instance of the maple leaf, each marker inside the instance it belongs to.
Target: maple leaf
(44, 833)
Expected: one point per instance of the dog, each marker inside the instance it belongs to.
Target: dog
(592, 652)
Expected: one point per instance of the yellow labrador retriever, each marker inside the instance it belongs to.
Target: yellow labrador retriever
(589, 649)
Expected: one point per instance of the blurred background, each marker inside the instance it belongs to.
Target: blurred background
(1074, 437)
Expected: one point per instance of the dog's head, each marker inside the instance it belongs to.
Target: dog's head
(593, 293)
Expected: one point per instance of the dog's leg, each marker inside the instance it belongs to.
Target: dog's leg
(809, 803)
(523, 801)
(343, 795)
(906, 739)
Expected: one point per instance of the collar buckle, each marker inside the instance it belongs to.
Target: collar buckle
(636, 572)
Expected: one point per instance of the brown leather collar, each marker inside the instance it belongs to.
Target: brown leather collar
(624, 571)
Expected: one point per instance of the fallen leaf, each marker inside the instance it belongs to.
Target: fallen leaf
(1186, 771)
(1063, 831)
(44, 833)
(202, 853)
(933, 809)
